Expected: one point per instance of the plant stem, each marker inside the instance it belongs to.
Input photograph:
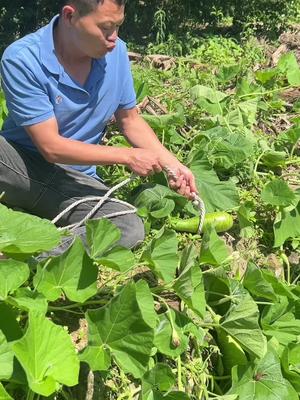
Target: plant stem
(222, 378)
(179, 371)
(30, 395)
(78, 305)
(267, 92)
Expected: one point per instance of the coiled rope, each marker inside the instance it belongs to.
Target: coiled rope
(197, 202)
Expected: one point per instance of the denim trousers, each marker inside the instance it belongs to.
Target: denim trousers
(43, 189)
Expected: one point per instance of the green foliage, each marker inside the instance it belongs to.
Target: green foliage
(186, 316)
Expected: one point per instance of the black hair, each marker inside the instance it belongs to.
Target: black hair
(84, 7)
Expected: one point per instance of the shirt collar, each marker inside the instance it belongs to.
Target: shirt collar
(47, 50)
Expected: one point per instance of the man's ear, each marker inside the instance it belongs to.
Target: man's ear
(68, 12)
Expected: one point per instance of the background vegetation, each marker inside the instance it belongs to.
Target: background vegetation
(146, 19)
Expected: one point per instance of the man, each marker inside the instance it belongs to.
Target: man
(62, 84)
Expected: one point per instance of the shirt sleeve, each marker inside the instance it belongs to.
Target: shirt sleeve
(27, 101)
(128, 95)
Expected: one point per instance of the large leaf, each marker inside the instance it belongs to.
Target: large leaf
(6, 358)
(255, 282)
(158, 380)
(101, 235)
(3, 394)
(12, 275)
(24, 233)
(119, 258)
(47, 355)
(120, 328)
(216, 194)
(28, 300)
(145, 301)
(291, 364)
(8, 322)
(212, 95)
(161, 254)
(287, 225)
(231, 151)
(72, 273)
(278, 193)
(232, 353)
(170, 338)
(213, 249)
(280, 321)
(159, 200)
(163, 122)
(262, 380)
(189, 287)
(241, 323)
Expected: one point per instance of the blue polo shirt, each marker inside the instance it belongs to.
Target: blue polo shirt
(37, 88)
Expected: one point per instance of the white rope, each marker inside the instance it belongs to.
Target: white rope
(197, 202)
(101, 200)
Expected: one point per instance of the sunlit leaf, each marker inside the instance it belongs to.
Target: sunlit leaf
(120, 328)
(25, 233)
(72, 273)
(47, 355)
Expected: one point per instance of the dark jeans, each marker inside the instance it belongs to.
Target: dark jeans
(43, 189)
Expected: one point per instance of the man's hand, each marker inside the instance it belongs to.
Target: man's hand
(143, 162)
(182, 180)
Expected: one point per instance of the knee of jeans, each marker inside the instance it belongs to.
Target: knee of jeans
(135, 232)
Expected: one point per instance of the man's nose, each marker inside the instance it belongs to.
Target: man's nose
(113, 36)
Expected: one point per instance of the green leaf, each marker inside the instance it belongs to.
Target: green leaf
(212, 95)
(8, 323)
(273, 159)
(246, 216)
(161, 254)
(293, 77)
(189, 287)
(159, 200)
(146, 303)
(6, 358)
(12, 275)
(241, 322)
(118, 258)
(230, 151)
(278, 193)
(262, 380)
(287, 225)
(256, 284)
(291, 364)
(216, 194)
(266, 75)
(3, 394)
(162, 122)
(97, 357)
(292, 136)
(101, 235)
(164, 334)
(227, 73)
(287, 62)
(279, 321)
(120, 328)
(213, 249)
(28, 300)
(232, 353)
(159, 378)
(47, 355)
(25, 233)
(73, 273)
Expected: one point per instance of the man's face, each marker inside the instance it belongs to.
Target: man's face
(95, 34)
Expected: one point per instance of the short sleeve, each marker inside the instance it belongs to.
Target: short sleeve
(27, 100)
(128, 95)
